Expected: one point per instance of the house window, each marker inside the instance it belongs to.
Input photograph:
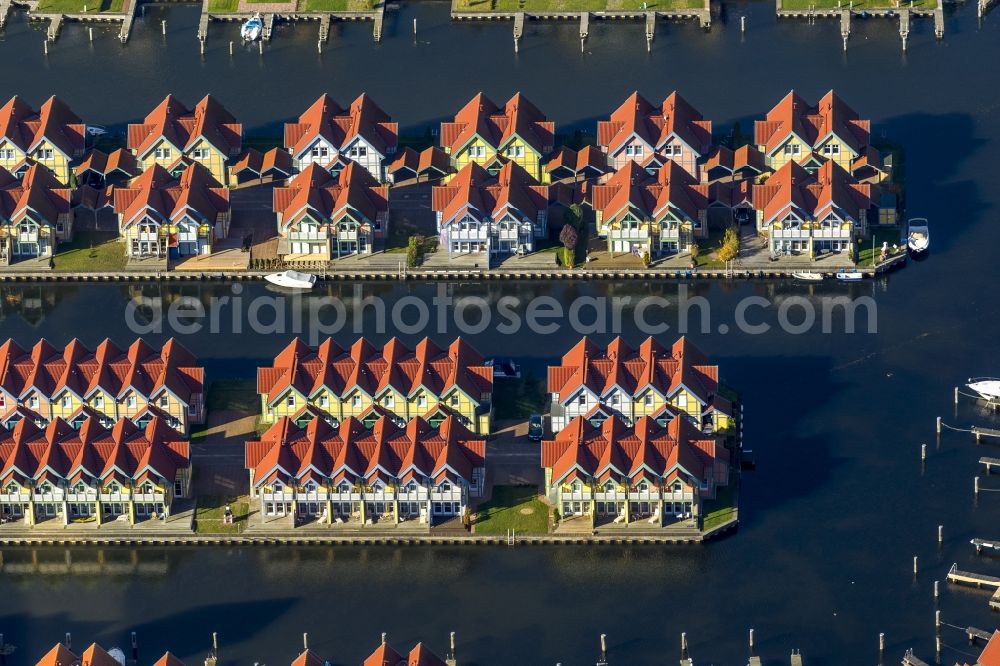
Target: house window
(320, 151)
(609, 487)
(324, 401)
(162, 153)
(648, 400)
(130, 401)
(45, 153)
(66, 401)
(421, 400)
(344, 487)
(792, 149)
(6, 154)
(582, 400)
(3, 401)
(164, 400)
(290, 401)
(638, 151)
(682, 400)
(355, 401)
(454, 400)
(33, 402)
(199, 154)
(629, 151)
(389, 401)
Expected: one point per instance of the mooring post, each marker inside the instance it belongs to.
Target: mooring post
(975, 487)
(45, 46)
(937, 621)
(939, 425)
(260, 46)
(940, 534)
(751, 642)
(604, 649)
(914, 565)
(881, 648)
(937, 591)
(743, 24)
(956, 395)
(163, 26)
(90, 32)
(937, 648)
(923, 452)
(230, 47)
(684, 644)
(414, 27)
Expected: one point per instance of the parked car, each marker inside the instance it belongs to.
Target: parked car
(536, 428)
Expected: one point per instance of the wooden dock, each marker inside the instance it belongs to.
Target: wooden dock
(983, 6)
(979, 432)
(55, 26)
(324, 28)
(955, 575)
(379, 19)
(910, 659)
(990, 463)
(847, 14)
(269, 20)
(5, 7)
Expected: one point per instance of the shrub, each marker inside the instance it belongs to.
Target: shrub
(645, 259)
(412, 252)
(730, 248)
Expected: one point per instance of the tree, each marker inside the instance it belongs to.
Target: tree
(730, 248)
(568, 236)
(412, 253)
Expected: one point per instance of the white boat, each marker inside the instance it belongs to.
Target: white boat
(808, 276)
(250, 32)
(292, 279)
(94, 130)
(850, 275)
(918, 237)
(987, 387)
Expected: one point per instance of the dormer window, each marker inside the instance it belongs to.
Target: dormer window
(575, 486)
(581, 400)
(164, 400)
(13, 488)
(130, 401)
(642, 487)
(99, 401)
(114, 487)
(324, 401)
(290, 401)
(454, 400)
(344, 487)
(147, 488)
(33, 402)
(162, 153)
(411, 486)
(648, 400)
(609, 487)
(445, 487)
(80, 487)
(421, 400)
(277, 487)
(310, 487)
(355, 400)
(66, 401)
(677, 487)
(389, 401)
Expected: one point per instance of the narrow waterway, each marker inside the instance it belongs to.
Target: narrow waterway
(840, 502)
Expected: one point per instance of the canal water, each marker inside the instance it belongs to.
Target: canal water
(840, 502)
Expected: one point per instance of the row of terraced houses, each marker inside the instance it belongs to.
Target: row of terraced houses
(385, 436)
(655, 181)
(360, 435)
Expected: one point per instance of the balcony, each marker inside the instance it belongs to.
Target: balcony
(481, 234)
(308, 235)
(27, 237)
(629, 234)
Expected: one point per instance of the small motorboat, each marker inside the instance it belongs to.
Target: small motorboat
(504, 368)
(850, 275)
(808, 276)
(986, 387)
(918, 237)
(292, 279)
(94, 130)
(251, 30)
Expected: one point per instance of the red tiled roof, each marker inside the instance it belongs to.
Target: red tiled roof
(474, 189)
(330, 197)
(589, 159)
(372, 369)
(600, 369)
(102, 163)
(496, 126)
(59, 655)
(991, 653)
(38, 191)
(339, 127)
(593, 449)
(145, 369)
(812, 196)
(386, 449)
(812, 124)
(655, 125)
(170, 198)
(172, 121)
(631, 188)
(27, 450)
(54, 121)
(276, 160)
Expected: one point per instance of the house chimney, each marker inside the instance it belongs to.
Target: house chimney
(69, 641)
(305, 641)
(383, 638)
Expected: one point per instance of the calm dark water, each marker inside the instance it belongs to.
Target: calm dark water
(839, 504)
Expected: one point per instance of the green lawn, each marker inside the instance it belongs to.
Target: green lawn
(335, 5)
(208, 515)
(706, 250)
(518, 398)
(574, 5)
(515, 508)
(222, 6)
(90, 251)
(77, 6)
(890, 236)
(858, 4)
(723, 508)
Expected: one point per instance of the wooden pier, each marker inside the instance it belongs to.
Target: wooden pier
(702, 14)
(324, 28)
(269, 20)
(979, 432)
(910, 659)
(379, 18)
(847, 14)
(956, 575)
(990, 463)
(55, 25)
